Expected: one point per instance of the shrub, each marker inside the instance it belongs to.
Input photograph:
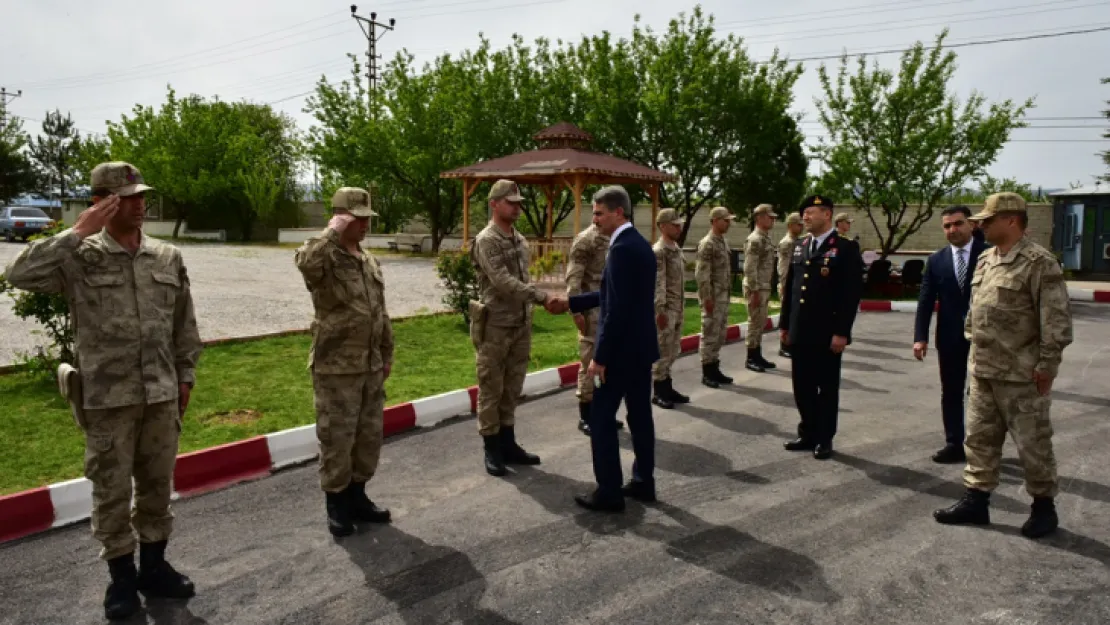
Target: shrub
(456, 270)
(49, 310)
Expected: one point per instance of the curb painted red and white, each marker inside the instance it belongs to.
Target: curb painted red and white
(65, 503)
(1088, 295)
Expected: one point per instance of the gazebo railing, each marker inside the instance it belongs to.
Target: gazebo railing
(549, 259)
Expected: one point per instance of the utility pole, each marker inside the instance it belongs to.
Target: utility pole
(370, 29)
(5, 97)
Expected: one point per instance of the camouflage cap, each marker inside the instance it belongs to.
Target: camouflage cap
(505, 190)
(1005, 202)
(764, 209)
(354, 200)
(793, 218)
(843, 217)
(122, 179)
(669, 216)
(720, 212)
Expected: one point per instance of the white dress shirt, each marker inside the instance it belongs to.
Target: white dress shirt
(616, 233)
(820, 240)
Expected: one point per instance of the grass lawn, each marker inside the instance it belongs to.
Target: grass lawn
(254, 388)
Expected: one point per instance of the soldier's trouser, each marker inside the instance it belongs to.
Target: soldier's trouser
(348, 426)
(502, 364)
(585, 392)
(137, 442)
(670, 346)
(713, 331)
(757, 317)
(994, 408)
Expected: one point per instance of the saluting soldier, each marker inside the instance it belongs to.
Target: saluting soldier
(350, 359)
(670, 301)
(759, 265)
(1019, 324)
(584, 267)
(136, 348)
(714, 279)
(501, 327)
(786, 253)
(826, 282)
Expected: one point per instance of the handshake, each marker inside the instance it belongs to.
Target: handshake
(557, 305)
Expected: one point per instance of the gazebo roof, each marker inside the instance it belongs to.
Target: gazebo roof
(565, 160)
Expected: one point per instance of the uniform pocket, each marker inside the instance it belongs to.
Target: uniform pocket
(166, 284)
(1012, 295)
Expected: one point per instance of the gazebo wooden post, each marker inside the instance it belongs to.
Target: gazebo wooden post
(654, 209)
(467, 189)
(549, 191)
(577, 204)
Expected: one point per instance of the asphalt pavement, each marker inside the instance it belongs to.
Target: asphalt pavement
(745, 532)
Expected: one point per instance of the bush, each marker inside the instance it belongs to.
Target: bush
(456, 270)
(49, 310)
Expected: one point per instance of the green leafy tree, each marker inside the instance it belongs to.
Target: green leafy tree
(898, 144)
(55, 152)
(17, 173)
(91, 151)
(51, 311)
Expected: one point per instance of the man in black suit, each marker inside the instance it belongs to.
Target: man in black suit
(947, 278)
(625, 349)
(825, 283)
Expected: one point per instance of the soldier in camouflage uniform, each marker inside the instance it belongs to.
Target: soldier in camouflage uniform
(136, 347)
(714, 285)
(1019, 324)
(350, 359)
(786, 254)
(501, 327)
(670, 300)
(587, 260)
(759, 267)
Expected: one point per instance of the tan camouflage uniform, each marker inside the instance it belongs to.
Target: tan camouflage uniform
(352, 346)
(584, 267)
(1019, 322)
(136, 341)
(759, 265)
(714, 279)
(785, 255)
(670, 279)
(503, 338)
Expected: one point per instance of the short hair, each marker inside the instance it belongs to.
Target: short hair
(615, 197)
(958, 208)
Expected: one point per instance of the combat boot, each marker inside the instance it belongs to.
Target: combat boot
(121, 601)
(584, 418)
(707, 376)
(752, 363)
(675, 396)
(660, 395)
(339, 514)
(362, 508)
(1043, 520)
(157, 578)
(720, 377)
(495, 460)
(511, 451)
(973, 509)
(767, 364)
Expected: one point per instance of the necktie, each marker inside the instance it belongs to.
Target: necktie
(961, 267)
(813, 246)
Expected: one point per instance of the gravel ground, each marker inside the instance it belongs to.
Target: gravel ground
(246, 290)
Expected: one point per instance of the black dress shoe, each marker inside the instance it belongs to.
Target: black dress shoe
(593, 502)
(640, 491)
(951, 454)
(823, 451)
(799, 444)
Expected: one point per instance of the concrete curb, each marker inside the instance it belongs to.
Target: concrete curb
(65, 503)
(1087, 295)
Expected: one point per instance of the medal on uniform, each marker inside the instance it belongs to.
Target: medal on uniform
(824, 272)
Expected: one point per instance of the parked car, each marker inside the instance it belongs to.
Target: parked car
(22, 222)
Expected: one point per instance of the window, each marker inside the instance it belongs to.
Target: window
(28, 212)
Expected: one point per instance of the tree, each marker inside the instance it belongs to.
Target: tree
(90, 152)
(898, 142)
(54, 152)
(263, 186)
(17, 174)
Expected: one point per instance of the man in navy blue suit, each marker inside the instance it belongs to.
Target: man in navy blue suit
(625, 349)
(947, 278)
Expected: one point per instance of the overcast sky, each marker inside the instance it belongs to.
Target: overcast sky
(97, 58)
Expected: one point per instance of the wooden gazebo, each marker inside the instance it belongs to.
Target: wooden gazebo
(563, 159)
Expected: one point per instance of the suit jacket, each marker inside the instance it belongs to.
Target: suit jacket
(824, 291)
(938, 282)
(626, 333)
